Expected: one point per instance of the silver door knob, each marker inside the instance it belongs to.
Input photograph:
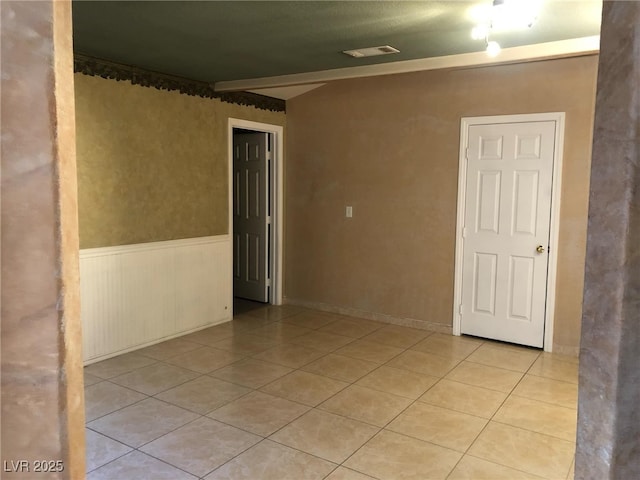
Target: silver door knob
(540, 249)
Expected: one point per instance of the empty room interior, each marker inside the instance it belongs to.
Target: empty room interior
(331, 240)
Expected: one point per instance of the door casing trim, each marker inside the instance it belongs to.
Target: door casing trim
(554, 231)
(278, 209)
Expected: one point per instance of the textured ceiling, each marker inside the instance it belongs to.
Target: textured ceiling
(222, 41)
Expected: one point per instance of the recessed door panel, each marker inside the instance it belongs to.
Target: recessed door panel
(488, 201)
(254, 189)
(521, 287)
(254, 152)
(485, 283)
(253, 257)
(528, 146)
(237, 243)
(525, 202)
(490, 147)
(236, 194)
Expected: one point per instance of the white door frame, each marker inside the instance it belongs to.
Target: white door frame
(277, 213)
(466, 122)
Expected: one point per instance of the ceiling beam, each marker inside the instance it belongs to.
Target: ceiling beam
(526, 53)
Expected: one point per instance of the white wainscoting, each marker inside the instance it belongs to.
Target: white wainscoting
(137, 295)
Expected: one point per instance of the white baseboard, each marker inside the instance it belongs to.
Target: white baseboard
(148, 344)
(136, 295)
(378, 317)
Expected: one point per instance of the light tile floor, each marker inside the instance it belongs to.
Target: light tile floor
(290, 393)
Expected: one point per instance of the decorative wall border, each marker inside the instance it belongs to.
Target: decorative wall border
(97, 67)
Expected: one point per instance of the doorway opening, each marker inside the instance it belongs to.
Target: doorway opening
(255, 212)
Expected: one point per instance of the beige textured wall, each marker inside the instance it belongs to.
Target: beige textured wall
(152, 164)
(389, 146)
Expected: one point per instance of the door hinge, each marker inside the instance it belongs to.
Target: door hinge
(460, 309)
(466, 153)
(464, 232)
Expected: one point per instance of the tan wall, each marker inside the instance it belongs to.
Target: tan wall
(389, 146)
(41, 359)
(152, 164)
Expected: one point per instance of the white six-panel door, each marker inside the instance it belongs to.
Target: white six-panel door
(251, 216)
(509, 169)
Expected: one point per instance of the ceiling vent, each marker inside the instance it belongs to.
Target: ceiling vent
(371, 51)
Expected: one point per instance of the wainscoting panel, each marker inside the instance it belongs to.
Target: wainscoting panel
(137, 295)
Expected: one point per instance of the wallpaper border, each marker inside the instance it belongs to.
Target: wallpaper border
(97, 67)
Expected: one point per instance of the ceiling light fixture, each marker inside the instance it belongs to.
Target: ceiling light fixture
(505, 15)
(493, 48)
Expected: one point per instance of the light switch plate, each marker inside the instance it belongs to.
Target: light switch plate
(348, 211)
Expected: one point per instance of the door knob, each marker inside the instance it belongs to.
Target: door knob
(540, 249)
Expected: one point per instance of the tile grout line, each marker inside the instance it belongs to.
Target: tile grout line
(384, 428)
(479, 433)
(325, 353)
(121, 408)
(315, 408)
(466, 452)
(513, 426)
(120, 456)
(208, 473)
